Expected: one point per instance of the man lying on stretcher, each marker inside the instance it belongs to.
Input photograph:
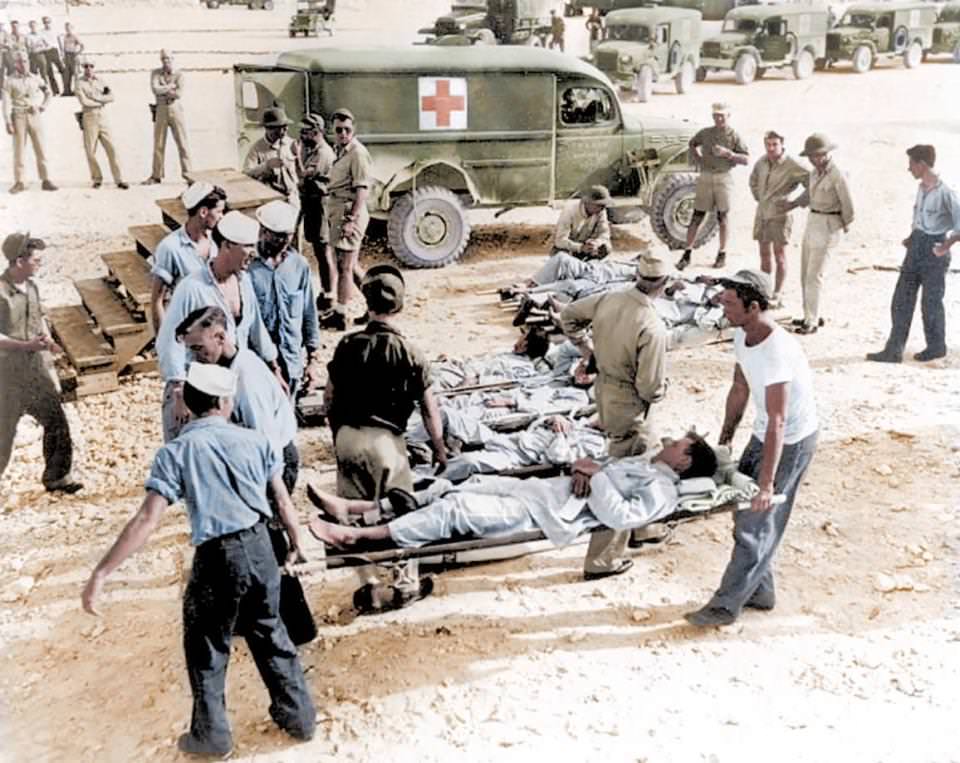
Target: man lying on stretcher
(619, 494)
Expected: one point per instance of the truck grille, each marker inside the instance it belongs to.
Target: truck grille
(607, 60)
(712, 50)
(938, 35)
(834, 41)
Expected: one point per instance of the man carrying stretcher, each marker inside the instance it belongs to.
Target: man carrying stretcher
(620, 494)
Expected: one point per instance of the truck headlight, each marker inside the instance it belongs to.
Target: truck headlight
(625, 59)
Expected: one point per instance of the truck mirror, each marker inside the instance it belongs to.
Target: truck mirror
(248, 95)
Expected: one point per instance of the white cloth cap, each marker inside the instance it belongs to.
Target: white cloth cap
(213, 379)
(195, 193)
(240, 229)
(652, 267)
(278, 216)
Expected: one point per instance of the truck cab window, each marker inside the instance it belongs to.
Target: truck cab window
(585, 106)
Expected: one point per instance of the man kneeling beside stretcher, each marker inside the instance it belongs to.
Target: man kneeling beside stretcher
(620, 494)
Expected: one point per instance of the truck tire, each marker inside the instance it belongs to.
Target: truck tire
(213, 4)
(746, 69)
(803, 64)
(862, 59)
(643, 84)
(913, 55)
(901, 39)
(428, 228)
(671, 209)
(685, 77)
(701, 74)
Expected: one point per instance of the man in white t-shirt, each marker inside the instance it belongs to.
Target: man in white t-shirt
(772, 370)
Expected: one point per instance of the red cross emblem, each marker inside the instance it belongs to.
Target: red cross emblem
(443, 103)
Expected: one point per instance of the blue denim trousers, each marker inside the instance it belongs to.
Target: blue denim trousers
(922, 273)
(757, 535)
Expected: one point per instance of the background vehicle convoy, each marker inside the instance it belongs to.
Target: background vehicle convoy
(508, 22)
(882, 31)
(451, 128)
(312, 17)
(253, 5)
(644, 45)
(756, 38)
(946, 32)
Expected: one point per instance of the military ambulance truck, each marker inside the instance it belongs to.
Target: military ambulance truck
(450, 128)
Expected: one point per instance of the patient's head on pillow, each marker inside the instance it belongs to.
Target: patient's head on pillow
(689, 457)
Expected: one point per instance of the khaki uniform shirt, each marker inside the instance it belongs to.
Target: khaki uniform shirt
(20, 94)
(21, 318)
(575, 227)
(709, 137)
(828, 193)
(283, 178)
(630, 346)
(166, 87)
(771, 182)
(378, 377)
(313, 168)
(17, 43)
(90, 93)
(350, 170)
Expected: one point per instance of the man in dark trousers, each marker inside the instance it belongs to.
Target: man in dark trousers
(936, 213)
(222, 472)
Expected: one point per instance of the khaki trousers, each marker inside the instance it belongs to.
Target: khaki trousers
(28, 125)
(170, 116)
(821, 235)
(95, 129)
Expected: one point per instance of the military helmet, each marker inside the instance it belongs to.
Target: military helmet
(817, 143)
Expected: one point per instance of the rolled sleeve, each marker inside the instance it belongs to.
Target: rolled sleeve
(165, 477)
(361, 169)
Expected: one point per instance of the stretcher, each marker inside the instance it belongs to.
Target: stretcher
(700, 499)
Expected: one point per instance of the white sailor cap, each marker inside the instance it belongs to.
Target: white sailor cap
(651, 267)
(195, 193)
(278, 216)
(212, 379)
(238, 228)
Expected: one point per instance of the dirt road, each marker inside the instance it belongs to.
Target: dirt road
(520, 660)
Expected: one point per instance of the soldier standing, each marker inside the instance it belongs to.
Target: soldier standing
(314, 159)
(831, 210)
(595, 27)
(774, 177)
(273, 159)
(93, 94)
(24, 377)
(345, 208)
(21, 113)
(715, 150)
(167, 86)
(72, 48)
(629, 350)
(557, 28)
(51, 54)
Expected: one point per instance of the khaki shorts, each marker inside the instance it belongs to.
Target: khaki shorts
(371, 461)
(775, 230)
(713, 192)
(336, 210)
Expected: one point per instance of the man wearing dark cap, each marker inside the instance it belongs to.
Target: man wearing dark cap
(222, 472)
(772, 370)
(25, 382)
(936, 226)
(583, 229)
(628, 347)
(273, 159)
(314, 159)
(345, 207)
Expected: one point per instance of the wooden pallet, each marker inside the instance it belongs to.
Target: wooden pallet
(81, 342)
(129, 273)
(147, 238)
(243, 193)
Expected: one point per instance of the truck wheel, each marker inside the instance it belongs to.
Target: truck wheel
(684, 79)
(672, 208)
(901, 38)
(701, 74)
(213, 4)
(643, 84)
(803, 64)
(862, 59)
(428, 228)
(746, 69)
(913, 55)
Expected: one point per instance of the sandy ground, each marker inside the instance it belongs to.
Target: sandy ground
(519, 659)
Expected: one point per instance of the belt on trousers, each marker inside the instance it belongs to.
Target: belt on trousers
(236, 534)
(821, 212)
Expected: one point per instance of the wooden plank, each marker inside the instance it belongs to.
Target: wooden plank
(133, 274)
(147, 237)
(74, 331)
(172, 212)
(129, 346)
(113, 318)
(95, 383)
(243, 192)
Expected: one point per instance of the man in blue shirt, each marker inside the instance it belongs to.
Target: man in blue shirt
(281, 279)
(223, 283)
(936, 213)
(221, 472)
(187, 249)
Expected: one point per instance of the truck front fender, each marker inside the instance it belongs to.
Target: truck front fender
(438, 172)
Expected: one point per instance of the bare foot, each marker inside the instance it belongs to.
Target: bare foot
(330, 504)
(331, 534)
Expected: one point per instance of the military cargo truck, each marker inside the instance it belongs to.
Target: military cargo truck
(641, 46)
(880, 32)
(946, 32)
(508, 22)
(459, 127)
(756, 38)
